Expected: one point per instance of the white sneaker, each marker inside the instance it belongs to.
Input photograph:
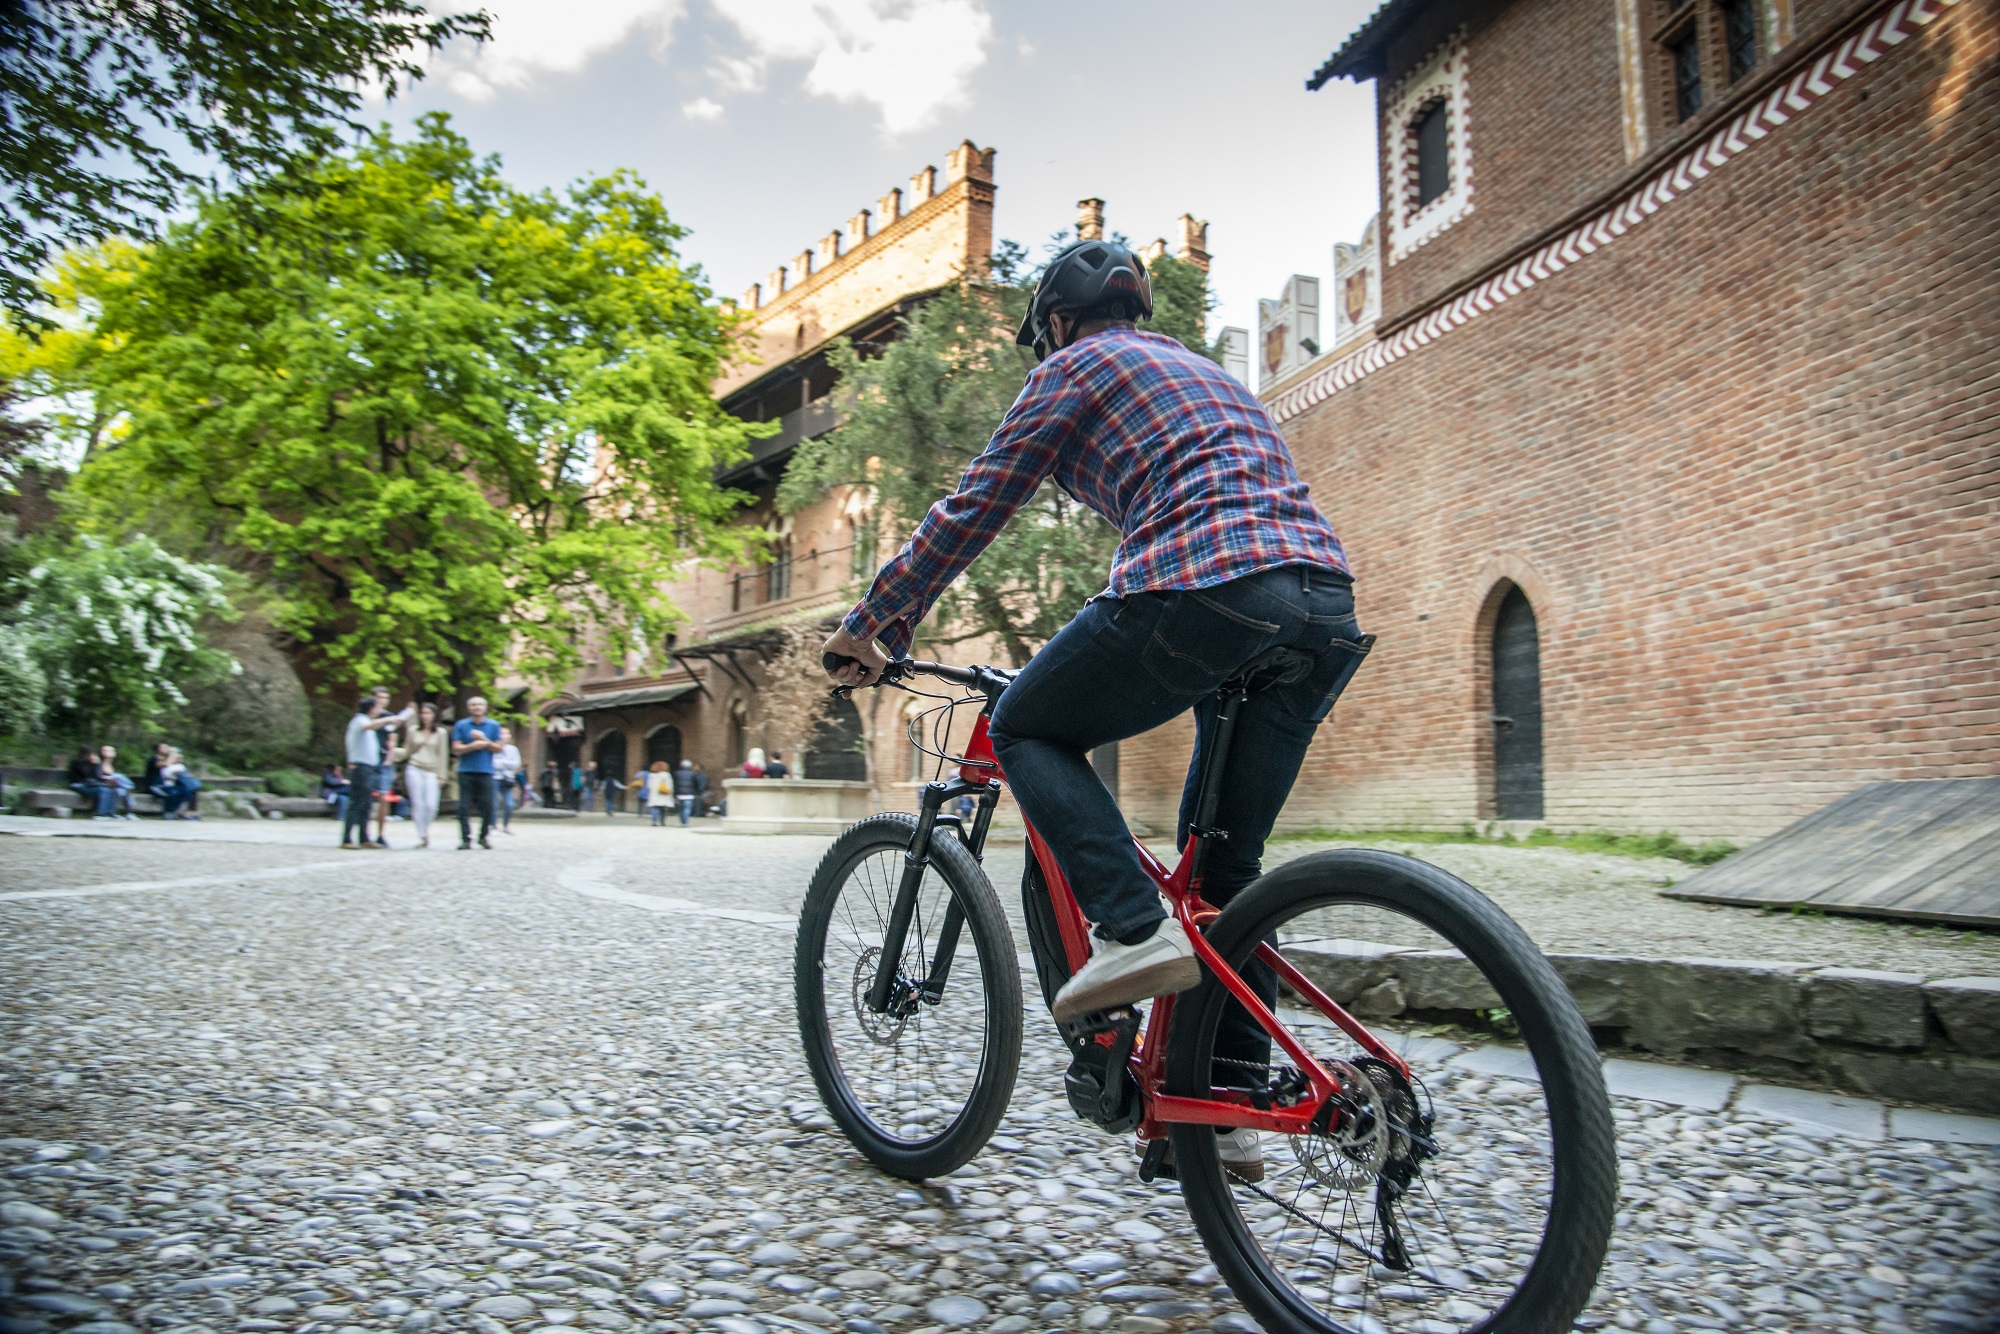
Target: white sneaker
(1242, 1153)
(1160, 965)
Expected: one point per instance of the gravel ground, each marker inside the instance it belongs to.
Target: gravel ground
(464, 1092)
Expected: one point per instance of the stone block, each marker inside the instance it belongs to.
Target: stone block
(1967, 1085)
(1749, 1006)
(1678, 1084)
(1343, 969)
(1854, 1118)
(1442, 980)
(1969, 1009)
(1943, 1127)
(1866, 1007)
(1607, 988)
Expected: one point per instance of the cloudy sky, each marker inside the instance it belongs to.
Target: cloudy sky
(765, 123)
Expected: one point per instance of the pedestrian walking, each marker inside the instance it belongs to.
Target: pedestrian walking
(365, 754)
(386, 772)
(426, 756)
(475, 740)
(685, 791)
(700, 789)
(775, 767)
(613, 788)
(551, 784)
(86, 779)
(659, 792)
(587, 789)
(753, 763)
(507, 778)
(577, 782)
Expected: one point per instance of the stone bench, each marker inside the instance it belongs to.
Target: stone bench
(292, 808)
(58, 802)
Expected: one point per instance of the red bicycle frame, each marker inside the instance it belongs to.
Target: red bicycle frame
(1222, 1107)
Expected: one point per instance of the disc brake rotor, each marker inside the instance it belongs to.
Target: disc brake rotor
(884, 1028)
(1350, 1155)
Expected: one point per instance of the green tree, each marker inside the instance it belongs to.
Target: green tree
(1181, 303)
(445, 422)
(917, 413)
(101, 101)
(914, 416)
(114, 630)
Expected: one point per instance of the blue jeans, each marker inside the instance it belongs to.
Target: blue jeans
(104, 794)
(1125, 666)
(475, 793)
(360, 801)
(687, 807)
(175, 794)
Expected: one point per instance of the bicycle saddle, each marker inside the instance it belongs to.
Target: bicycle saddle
(1276, 666)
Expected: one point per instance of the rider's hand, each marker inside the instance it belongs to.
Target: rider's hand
(869, 664)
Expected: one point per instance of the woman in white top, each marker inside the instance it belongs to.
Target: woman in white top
(427, 754)
(659, 791)
(507, 778)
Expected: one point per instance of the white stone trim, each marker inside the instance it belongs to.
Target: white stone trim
(1440, 78)
(1891, 27)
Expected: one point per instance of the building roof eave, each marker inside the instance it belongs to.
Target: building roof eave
(1360, 56)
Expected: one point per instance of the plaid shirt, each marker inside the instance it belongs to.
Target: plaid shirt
(1158, 440)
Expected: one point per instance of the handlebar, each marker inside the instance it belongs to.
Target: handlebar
(990, 679)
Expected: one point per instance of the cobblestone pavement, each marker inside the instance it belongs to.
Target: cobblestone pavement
(559, 1085)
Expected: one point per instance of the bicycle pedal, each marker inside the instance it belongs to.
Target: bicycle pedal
(1120, 1019)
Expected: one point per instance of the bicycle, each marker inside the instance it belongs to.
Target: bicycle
(909, 1001)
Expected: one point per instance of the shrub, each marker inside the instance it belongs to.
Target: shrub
(290, 783)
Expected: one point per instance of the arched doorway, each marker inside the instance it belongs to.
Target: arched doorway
(836, 749)
(664, 743)
(1517, 710)
(610, 757)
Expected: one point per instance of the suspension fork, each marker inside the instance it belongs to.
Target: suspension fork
(916, 860)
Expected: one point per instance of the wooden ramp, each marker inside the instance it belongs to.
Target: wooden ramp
(1927, 852)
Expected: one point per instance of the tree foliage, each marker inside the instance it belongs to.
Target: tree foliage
(114, 630)
(444, 421)
(918, 410)
(793, 695)
(101, 101)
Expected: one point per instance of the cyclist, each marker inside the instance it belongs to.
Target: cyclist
(1223, 557)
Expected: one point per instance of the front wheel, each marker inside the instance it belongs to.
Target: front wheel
(1475, 1194)
(919, 1086)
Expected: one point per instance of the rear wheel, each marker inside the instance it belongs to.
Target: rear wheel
(1476, 1193)
(919, 1087)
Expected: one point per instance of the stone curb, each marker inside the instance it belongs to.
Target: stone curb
(1890, 1035)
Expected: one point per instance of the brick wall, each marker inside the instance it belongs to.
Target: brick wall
(1544, 130)
(1742, 460)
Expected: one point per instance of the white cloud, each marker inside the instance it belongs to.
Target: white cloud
(702, 108)
(536, 37)
(910, 59)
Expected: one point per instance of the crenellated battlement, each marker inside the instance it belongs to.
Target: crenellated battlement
(965, 163)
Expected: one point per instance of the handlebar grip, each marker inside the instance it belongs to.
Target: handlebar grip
(833, 662)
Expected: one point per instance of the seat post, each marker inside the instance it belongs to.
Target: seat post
(1212, 766)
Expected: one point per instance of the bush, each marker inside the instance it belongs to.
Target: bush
(290, 783)
(23, 687)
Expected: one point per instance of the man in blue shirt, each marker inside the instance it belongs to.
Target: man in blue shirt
(475, 740)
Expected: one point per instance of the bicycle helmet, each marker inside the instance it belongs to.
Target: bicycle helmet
(1100, 279)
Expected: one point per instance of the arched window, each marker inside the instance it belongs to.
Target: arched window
(1432, 132)
(1517, 710)
(610, 757)
(664, 743)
